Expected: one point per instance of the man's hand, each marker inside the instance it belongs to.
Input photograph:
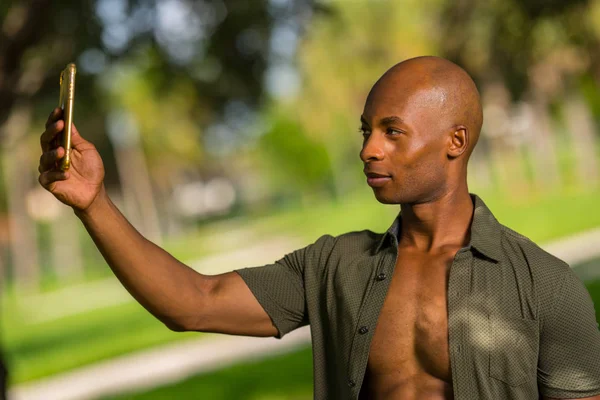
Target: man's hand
(79, 186)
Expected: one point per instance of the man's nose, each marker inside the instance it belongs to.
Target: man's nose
(372, 149)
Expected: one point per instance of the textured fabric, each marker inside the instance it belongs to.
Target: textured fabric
(520, 322)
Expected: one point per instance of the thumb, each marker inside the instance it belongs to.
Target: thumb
(76, 138)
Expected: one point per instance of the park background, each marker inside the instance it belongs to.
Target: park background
(229, 133)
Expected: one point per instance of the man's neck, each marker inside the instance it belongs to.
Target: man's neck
(437, 225)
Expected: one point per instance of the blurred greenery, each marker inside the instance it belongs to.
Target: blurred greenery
(300, 158)
(205, 105)
(224, 48)
(35, 350)
(521, 43)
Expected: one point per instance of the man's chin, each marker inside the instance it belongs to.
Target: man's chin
(384, 198)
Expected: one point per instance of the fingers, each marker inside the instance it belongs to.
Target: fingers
(47, 178)
(48, 138)
(54, 116)
(50, 134)
(49, 158)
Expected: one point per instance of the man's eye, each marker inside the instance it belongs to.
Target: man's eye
(365, 132)
(392, 131)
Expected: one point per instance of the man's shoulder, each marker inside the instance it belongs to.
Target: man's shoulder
(365, 235)
(516, 245)
(355, 241)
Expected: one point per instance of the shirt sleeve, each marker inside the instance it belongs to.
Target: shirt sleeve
(280, 288)
(569, 358)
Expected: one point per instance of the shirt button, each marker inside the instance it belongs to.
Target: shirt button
(351, 383)
(363, 330)
(381, 277)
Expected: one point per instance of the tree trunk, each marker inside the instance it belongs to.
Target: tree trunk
(67, 259)
(581, 128)
(543, 149)
(18, 182)
(137, 192)
(479, 170)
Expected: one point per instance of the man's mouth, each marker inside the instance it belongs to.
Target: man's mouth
(376, 180)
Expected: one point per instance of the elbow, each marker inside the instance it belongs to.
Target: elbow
(183, 324)
(192, 316)
(175, 326)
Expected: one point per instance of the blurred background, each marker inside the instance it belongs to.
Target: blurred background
(229, 133)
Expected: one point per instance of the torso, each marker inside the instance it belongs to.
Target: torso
(409, 357)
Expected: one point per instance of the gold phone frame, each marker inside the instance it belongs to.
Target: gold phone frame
(65, 102)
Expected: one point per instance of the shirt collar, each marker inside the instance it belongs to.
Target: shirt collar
(391, 235)
(485, 231)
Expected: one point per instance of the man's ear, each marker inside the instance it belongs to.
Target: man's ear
(459, 141)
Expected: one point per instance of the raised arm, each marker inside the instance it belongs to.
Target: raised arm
(177, 295)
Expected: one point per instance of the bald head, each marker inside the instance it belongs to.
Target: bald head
(420, 124)
(443, 87)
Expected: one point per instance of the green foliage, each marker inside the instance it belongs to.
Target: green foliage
(520, 42)
(340, 58)
(224, 46)
(175, 81)
(589, 89)
(296, 162)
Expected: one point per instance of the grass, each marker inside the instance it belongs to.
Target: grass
(43, 349)
(285, 377)
(549, 216)
(35, 350)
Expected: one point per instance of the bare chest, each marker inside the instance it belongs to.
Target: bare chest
(410, 342)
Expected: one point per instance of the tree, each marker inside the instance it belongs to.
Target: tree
(219, 49)
(339, 60)
(543, 53)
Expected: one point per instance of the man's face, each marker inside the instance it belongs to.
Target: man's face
(404, 148)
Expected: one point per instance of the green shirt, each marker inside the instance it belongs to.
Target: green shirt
(520, 322)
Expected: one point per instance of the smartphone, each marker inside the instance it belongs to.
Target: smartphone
(65, 102)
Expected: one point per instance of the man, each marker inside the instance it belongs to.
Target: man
(448, 303)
